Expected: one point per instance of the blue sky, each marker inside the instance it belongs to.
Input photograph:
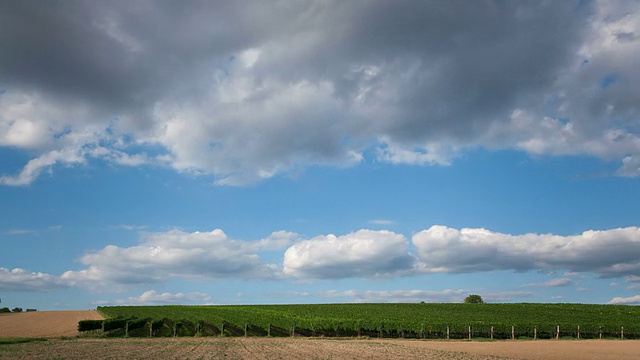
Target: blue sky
(318, 152)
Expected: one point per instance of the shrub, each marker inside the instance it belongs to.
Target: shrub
(87, 325)
(474, 299)
(17, 309)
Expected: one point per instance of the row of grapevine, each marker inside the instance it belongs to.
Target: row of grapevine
(171, 328)
(503, 321)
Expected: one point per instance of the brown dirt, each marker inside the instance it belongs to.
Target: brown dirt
(224, 348)
(540, 349)
(44, 323)
(317, 348)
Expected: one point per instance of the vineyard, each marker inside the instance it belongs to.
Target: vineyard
(432, 321)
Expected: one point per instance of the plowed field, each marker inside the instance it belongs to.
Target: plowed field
(44, 323)
(315, 348)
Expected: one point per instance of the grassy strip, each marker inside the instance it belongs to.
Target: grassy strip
(7, 341)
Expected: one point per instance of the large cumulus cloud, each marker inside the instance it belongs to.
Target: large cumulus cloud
(22, 280)
(177, 254)
(608, 253)
(208, 256)
(243, 91)
(364, 253)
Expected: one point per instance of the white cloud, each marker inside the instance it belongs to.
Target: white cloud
(415, 296)
(431, 154)
(221, 92)
(20, 231)
(503, 296)
(23, 280)
(210, 255)
(128, 227)
(625, 300)
(608, 253)
(152, 297)
(634, 281)
(364, 253)
(632, 278)
(276, 241)
(173, 254)
(398, 296)
(35, 166)
(551, 283)
(382, 222)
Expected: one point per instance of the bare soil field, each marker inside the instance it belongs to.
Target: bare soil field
(318, 348)
(225, 348)
(539, 349)
(44, 323)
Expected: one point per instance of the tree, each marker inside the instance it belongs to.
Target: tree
(474, 299)
(5, 310)
(17, 309)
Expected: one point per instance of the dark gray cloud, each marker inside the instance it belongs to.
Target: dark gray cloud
(247, 90)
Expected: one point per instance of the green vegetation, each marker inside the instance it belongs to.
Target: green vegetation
(474, 299)
(375, 320)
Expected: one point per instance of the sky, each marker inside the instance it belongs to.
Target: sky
(276, 152)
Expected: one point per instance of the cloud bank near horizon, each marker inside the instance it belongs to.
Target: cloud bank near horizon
(213, 255)
(214, 89)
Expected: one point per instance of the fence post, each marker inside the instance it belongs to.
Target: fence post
(448, 333)
(469, 332)
(621, 332)
(126, 329)
(150, 328)
(600, 332)
(245, 329)
(293, 329)
(513, 332)
(558, 332)
(578, 332)
(222, 329)
(269, 330)
(535, 333)
(492, 333)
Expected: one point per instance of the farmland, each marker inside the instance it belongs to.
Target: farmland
(52, 345)
(435, 321)
(317, 348)
(43, 323)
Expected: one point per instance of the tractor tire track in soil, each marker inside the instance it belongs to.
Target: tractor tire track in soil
(318, 348)
(224, 348)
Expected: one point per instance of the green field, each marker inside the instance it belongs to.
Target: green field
(377, 320)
